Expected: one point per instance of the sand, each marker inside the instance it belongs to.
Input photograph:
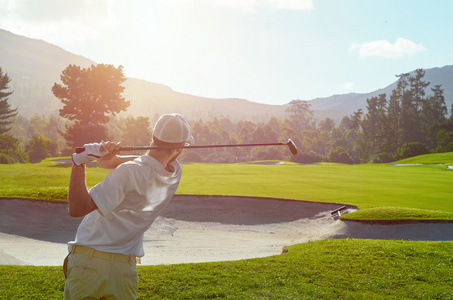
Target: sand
(198, 229)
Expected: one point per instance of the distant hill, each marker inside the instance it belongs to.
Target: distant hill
(348, 103)
(149, 98)
(35, 65)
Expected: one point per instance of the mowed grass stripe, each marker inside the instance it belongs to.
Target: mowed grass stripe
(365, 186)
(426, 189)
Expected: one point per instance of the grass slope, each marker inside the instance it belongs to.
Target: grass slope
(329, 269)
(434, 158)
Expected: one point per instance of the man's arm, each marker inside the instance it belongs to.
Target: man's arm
(112, 160)
(79, 200)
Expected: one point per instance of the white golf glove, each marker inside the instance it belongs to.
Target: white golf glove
(92, 152)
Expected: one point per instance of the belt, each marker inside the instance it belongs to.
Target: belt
(113, 257)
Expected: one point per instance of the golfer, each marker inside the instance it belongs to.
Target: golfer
(117, 211)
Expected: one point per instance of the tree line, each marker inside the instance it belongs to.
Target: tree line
(408, 122)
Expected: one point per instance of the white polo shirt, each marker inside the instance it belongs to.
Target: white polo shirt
(129, 200)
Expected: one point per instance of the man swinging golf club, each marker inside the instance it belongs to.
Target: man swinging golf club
(117, 211)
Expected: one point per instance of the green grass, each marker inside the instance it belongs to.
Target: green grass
(366, 186)
(434, 158)
(329, 269)
(381, 191)
(45, 180)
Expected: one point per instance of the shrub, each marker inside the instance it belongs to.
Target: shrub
(191, 156)
(10, 151)
(412, 149)
(339, 155)
(39, 148)
(4, 159)
(445, 148)
(384, 157)
(307, 158)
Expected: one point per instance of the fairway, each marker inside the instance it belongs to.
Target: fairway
(394, 192)
(380, 191)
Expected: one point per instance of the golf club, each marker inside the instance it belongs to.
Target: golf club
(290, 144)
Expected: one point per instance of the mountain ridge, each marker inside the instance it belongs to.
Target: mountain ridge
(35, 65)
(438, 75)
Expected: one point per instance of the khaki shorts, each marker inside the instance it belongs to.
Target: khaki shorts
(96, 274)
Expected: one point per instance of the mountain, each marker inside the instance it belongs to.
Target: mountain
(348, 103)
(35, 65)
(150, 98)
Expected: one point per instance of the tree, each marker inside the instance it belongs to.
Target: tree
(371, 123)
(39, 148)
(375, 123)
(444, 135)
(340, 155)
(300, 115)
(345, 123)
(412, 93)
(79, 134)
(259, 135)
(327, 125)
(90, 96)
(398, 106)
(434, 112)
(6, 113)
(275, 124)
(412, 149)
(435, 109)
(451, 113)
(392, 128)
(356, 120)
(338, 139)
(10, 152)
(137, 132)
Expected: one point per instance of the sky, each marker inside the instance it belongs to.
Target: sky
(266, 51)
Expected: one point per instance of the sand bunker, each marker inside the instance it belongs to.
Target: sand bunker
(197, 229)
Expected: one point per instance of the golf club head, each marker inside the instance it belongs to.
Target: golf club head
(292, 147)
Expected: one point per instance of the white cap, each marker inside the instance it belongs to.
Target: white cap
(173, 128)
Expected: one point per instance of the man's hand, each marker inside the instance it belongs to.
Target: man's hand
(80, 202)
(92, 152)
(107, 161)
(111, 160)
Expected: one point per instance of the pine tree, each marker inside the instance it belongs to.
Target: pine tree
(6, 113)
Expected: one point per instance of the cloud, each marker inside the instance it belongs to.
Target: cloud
(347, 86)
(250, 6)
(291, 4)
(382, 48)
(57, 20)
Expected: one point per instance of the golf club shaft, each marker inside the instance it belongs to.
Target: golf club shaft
(290, 144)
